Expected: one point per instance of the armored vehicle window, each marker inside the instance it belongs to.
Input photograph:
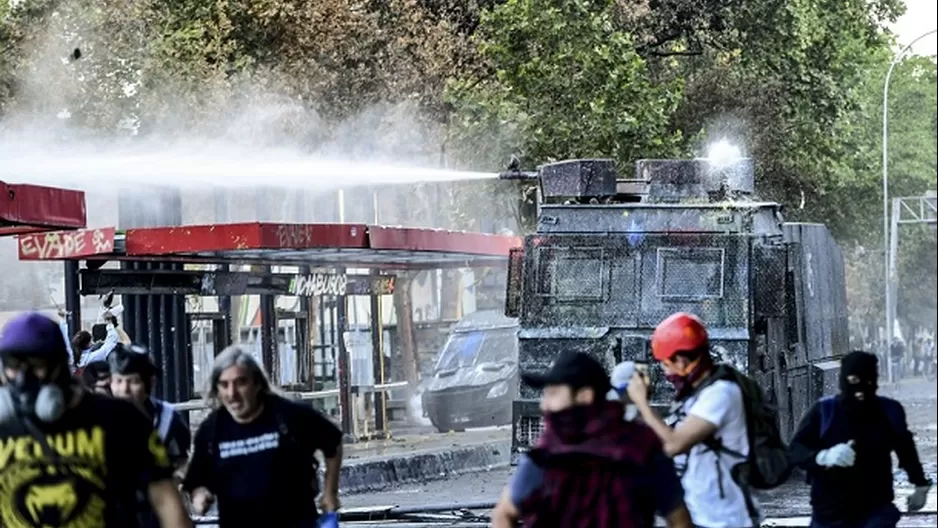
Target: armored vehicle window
(571, 274)
(690, 273)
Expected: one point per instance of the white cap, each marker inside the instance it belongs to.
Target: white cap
(619, 379)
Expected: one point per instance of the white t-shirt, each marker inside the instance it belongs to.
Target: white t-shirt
(711, 496)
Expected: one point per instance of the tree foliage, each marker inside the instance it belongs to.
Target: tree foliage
(568, 83)
(467, 83)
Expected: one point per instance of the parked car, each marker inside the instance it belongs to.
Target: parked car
(475, 377)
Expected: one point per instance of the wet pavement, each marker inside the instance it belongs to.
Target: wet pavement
(919, 397)
(428, 441)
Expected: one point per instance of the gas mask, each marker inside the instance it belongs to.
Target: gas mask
(26, 396)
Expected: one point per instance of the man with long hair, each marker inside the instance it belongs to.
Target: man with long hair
(255, 452)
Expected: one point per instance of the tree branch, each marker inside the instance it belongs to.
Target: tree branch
(686, 53)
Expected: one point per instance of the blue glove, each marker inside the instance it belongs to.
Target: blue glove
(329, 520)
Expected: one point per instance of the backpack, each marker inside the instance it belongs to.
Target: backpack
(767, 465)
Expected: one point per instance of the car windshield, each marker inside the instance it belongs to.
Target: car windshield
(465, 349)
(497, 347)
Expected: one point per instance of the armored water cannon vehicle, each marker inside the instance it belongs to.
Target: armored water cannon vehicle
(612, 257)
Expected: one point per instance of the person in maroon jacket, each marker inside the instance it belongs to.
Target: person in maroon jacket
(589, 468)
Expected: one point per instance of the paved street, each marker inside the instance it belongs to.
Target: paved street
(918, 396)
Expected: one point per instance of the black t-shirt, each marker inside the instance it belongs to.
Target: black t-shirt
(106, 451)
(177, 443)
(266, 469)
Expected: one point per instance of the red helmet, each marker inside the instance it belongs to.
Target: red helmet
(680, 332)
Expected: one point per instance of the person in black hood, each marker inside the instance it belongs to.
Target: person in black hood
(845, 443)
(96, 376)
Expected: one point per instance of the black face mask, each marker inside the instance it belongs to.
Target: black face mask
(858, 378)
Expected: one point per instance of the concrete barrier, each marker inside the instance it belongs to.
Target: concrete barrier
(373, 474)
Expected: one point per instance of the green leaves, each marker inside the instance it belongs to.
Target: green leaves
(569, 84)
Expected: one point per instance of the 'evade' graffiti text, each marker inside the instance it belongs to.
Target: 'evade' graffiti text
(64, 245)
(319, 284)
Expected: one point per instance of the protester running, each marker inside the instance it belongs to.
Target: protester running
(132, 374)
(69, 457)
(256, 451)
(845, 443)
(705, 411)
(589, 467)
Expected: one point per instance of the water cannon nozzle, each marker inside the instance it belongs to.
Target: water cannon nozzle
(519, 175)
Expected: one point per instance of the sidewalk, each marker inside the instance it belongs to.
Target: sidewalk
(431, 441)
(379, 464)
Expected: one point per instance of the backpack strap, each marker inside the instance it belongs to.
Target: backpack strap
(282, 417)
(165, 412)
(828, 408)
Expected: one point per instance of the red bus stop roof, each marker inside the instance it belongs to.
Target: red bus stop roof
(315, 245)
(34, 208)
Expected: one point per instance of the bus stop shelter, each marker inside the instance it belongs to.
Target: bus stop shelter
(34, 209)
(154, 282)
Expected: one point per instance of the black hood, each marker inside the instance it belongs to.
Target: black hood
(864, 366)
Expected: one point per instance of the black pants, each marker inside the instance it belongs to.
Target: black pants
(883, 517)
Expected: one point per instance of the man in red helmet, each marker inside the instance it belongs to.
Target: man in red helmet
(702, 412)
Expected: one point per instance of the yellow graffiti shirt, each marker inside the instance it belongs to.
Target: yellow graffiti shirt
(105, 449)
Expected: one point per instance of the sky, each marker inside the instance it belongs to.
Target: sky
(920, 17)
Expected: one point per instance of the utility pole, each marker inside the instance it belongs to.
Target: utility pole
(890, 302)
(909, 210)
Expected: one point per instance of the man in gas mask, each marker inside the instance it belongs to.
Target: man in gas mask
(74, 457)
(845, 443)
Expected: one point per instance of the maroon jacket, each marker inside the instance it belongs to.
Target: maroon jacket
(597, 471)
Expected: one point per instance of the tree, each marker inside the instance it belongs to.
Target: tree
(632, 78)
(561, 82)
(912, 171)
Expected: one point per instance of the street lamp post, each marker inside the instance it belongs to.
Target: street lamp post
(887, 264)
